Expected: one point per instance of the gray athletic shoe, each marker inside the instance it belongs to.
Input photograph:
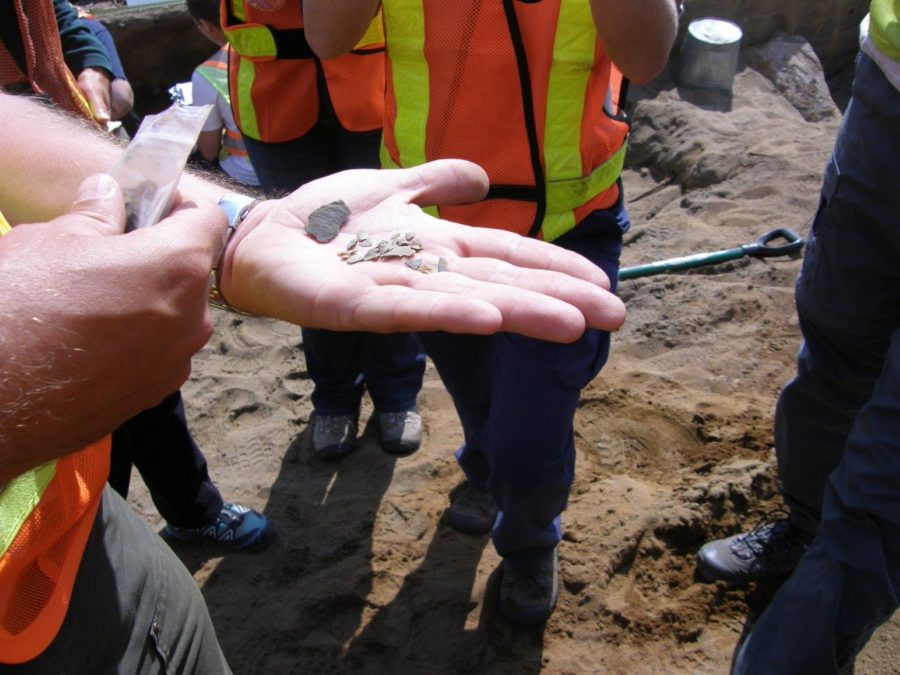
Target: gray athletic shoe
(770, 549)
(333, 436)
(472, 512)
(528, 596)
(400, 432)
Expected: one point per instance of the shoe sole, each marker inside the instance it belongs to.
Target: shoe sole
(471, 527)
(399, 450)
(711, 575)
(265, 538)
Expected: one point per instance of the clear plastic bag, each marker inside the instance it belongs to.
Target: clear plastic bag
(149, 169)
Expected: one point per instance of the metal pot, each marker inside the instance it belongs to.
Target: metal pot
(709, 54)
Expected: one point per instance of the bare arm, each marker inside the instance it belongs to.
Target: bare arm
(96, 327)
(637, 34)
(78, 299)
(209, 144)
(44, 149)
(121, 98)
(333, 27)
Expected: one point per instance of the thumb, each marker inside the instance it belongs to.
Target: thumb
(100, 203)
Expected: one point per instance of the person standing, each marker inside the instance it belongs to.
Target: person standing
(304, 118)
(528, 90)
(837, 422)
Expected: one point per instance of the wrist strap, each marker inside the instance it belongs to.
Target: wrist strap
(236, 206)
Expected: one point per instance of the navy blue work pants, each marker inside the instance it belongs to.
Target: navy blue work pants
(159, 444)
(516, 399)
(342, 365)
(838, 421)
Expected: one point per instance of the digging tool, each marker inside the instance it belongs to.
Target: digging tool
(761, 248)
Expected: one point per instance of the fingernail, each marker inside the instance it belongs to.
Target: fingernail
(98, 186)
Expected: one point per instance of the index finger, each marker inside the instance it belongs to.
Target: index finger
(450, 181)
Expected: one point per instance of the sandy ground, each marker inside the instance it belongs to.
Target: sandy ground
(673, 439)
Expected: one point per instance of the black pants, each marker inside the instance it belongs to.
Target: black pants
(158, 443)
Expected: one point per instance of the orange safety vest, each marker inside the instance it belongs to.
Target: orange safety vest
(45, 68)
(524, 89)
(46, 515)
(274, 74)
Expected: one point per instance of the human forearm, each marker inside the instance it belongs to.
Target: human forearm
(96, 327)
(209, 143)
(333, 27)
(121, 99)
(47, 155)
(637, 34)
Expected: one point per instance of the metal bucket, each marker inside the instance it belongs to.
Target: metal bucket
(709, 54)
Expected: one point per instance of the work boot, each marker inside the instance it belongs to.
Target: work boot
(400, 432)
(472, 512)
(770, 549)
(528, 593)
(333, 436)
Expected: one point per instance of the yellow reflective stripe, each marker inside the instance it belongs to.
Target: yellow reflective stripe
(252, 41)
(385, 156)
(884, 26)
(18, 500)
(573, 56)
(246, 72)
(237, 7)
(565, 195)
(374, 35)
(573, 60)
(217, 77)
(4, 226)
(557, 224)
(405, 27)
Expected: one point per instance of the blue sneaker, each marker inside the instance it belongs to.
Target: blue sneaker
(236, 527)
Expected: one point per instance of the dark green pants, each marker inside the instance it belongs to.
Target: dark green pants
(135, 608)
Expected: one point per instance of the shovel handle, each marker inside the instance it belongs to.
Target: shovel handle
(761, 248)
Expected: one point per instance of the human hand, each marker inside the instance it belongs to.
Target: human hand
(495, 281)
(93, 83)
(98, 327)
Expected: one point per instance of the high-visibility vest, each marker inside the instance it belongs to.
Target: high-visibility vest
(884, 26)
(46, 515)
(523, 89)
(45, 69)
(274, 74)
(215, 71)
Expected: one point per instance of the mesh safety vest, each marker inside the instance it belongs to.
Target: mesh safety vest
(523, 89)
(884, 26)
(46, 515)
(45, 69)
(277, 82)
(215, 71)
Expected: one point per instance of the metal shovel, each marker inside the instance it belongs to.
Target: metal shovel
(758, 249)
